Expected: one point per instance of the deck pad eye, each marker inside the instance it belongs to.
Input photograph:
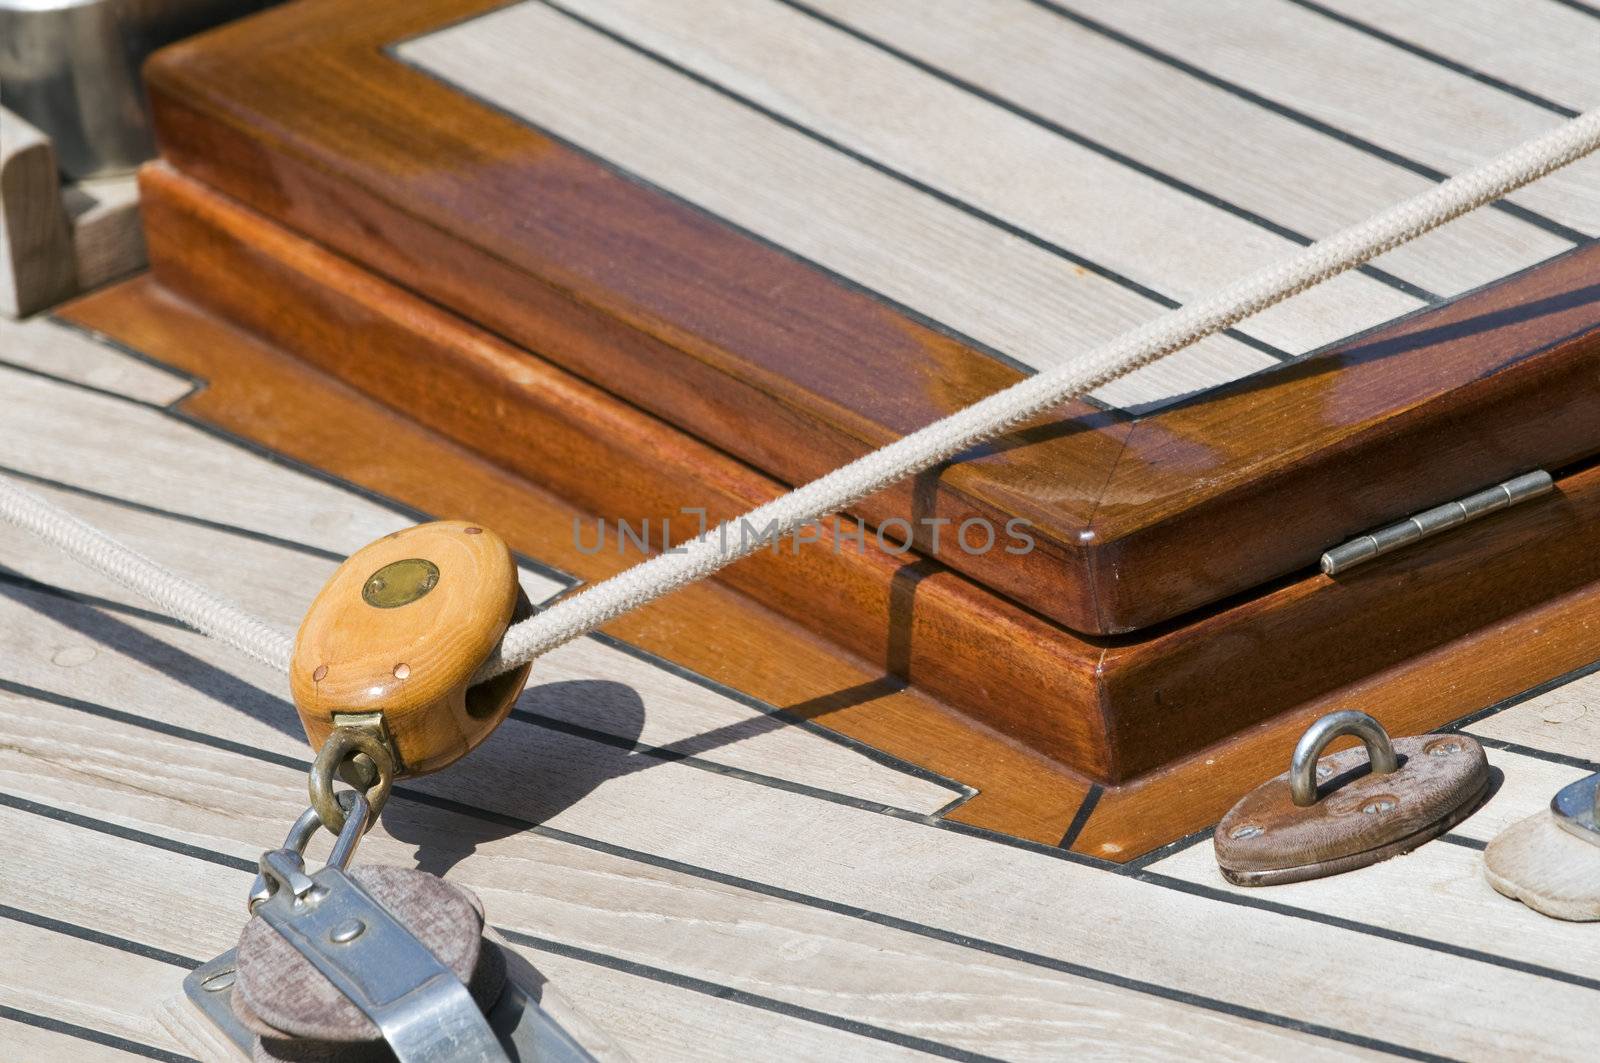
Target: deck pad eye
(1349, 811)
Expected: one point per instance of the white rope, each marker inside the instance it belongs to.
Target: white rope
(170, 592)
(1172, 331)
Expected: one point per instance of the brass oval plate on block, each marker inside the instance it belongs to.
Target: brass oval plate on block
(1358, 813)
(398, 632)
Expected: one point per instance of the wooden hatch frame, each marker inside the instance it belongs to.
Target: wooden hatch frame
(409, 292)
(304, 115)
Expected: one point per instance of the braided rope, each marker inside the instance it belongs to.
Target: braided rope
(990, 417)
(170, 592)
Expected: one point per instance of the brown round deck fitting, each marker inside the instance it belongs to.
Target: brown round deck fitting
(281, 996)
(394, 637)
(1357, 815)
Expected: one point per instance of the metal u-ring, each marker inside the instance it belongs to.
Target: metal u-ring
(341, 747)
(286, 864)
(1303, 766)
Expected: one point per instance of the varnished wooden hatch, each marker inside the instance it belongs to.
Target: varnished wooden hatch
(723, 218)
(598, 298)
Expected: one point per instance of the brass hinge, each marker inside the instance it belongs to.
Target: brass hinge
(1363, 548)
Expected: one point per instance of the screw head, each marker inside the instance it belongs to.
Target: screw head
(218, 982)
(1245, 830)
(1444, 749)
(1378, 806)
(348, 930)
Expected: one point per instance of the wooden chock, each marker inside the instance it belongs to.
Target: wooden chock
(392, 641)
(1327, 815)
(1551, 860)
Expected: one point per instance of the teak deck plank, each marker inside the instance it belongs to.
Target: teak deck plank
(68, 354)
(171, 765)
(44, 1044)
(306, 120)
(1438, 892)
(81, 982)
(609, 905)
(1564, 720)
(1529, 782)
(1160, 117)
(176, 778)
(1395, 101)
(649, 1017)
(1550, 56)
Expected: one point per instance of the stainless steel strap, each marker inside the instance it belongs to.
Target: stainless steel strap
(424, 1012)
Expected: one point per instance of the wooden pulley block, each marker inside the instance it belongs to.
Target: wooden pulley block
(1551, 860)
(393, 639)
(1327, 815)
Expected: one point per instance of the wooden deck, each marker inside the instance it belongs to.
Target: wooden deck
(776, 892)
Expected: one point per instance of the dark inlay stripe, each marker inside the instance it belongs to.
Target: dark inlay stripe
(1080, 817)
(1436, 58)
(84, 1033)
(946, 198)
(1104, 150)
(740, 996)
(1549, 225)
(173, 515)
(1215, 893)
(1581, 7)
(83, 933)
(461, 808)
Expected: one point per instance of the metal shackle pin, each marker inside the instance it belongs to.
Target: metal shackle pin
(285, 867)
